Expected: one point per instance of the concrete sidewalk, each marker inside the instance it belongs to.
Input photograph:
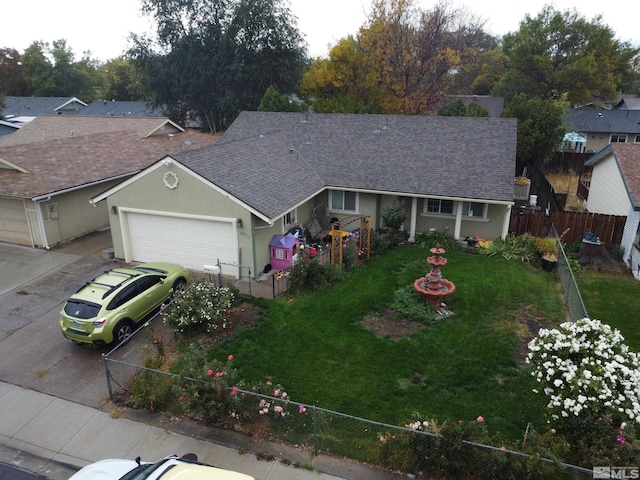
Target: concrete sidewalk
(54, 437)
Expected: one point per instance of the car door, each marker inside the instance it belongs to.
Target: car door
(150, 294)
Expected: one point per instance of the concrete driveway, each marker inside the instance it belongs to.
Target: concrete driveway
(33, 353)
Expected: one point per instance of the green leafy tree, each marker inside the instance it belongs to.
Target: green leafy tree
(540, 128)
(11, 81)
(274, 101)
(120, 81)
(53, 71)
(215, 58)
(561, 53)
(345, 82)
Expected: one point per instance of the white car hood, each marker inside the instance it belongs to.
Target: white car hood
(111, 469)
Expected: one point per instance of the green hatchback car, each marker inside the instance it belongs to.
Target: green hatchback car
(107, 309)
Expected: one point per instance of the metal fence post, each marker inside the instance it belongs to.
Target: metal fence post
(106, 372)
(315, 431)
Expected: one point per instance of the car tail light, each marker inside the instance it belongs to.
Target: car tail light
(100, 322)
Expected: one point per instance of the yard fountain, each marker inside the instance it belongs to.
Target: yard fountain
(433, 287)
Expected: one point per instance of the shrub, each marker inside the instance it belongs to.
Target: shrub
(617, 252)
(394, 215)
(592, 382)
(444, 238)
(521, 248)
(201, 308)
(411, 305)
(307, 274)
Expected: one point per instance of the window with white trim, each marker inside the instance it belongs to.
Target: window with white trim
(617, 138)
(343, 200)
(637, 140)
(438, 206)
(288, 219)
(473, 209)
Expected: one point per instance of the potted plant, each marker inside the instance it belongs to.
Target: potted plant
(548, 249)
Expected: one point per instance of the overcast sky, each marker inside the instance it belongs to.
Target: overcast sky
(103, 27)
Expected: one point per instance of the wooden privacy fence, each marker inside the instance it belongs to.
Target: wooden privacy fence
(608, 227)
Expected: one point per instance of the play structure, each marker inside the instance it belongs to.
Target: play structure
(337, 234)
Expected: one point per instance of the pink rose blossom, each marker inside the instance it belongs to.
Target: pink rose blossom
(230, 357)
(276, 392)
(234, 390)
(480, 419)
(269, 382)
(302, 409)
(210, 372)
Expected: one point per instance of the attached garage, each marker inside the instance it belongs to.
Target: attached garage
(14, 226)
(192, 241)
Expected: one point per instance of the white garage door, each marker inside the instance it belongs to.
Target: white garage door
(190, 242)
(14, 227)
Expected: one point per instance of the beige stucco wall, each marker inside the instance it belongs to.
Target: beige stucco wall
(70, 215)
(191, 196)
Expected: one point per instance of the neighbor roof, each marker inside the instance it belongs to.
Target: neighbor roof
(601, 120)
(47, 127)
(627, 156)
(494, 105)
(58, 164)
(119, 108)
(272, 161)
(34, 106)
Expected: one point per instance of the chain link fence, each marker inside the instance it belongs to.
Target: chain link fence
(573, 298)
(135, 378)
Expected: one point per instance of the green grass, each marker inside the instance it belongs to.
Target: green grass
(464, 366)
(613, 298)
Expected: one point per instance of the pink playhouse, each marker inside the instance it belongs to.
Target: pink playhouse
(283, 248)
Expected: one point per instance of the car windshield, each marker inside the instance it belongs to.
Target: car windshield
(143, 471)
(150, 270)
(80, 309)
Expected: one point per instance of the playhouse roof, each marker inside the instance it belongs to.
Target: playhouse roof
(284, 241)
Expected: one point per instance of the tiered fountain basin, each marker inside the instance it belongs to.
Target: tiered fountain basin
(433, 287)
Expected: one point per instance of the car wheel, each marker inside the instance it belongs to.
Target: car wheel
(179, 285)
(123, 330)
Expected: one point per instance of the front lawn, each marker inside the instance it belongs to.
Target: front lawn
(467, 365)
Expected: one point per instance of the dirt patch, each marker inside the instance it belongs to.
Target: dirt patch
(530, 324)
(387, 325)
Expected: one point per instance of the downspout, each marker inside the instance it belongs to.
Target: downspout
(414, 214)
(506, 222)
(253, 247)
(41, 220)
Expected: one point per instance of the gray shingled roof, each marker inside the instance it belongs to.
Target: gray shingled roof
(34, 106)
(118, 108)
(605, 121)
(494, 105)
(272, 161)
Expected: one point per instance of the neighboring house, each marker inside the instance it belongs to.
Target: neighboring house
(615, 190)
(118, 108)
(601, 127)
(269, 171)
(7, 127)
(494, 105)
(25, 109)
(629, 102)
(52, 166)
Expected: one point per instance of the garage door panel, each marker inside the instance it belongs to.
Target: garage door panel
(190, 242)
(14, 227)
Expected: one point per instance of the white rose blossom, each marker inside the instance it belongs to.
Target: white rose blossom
(584, 367)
